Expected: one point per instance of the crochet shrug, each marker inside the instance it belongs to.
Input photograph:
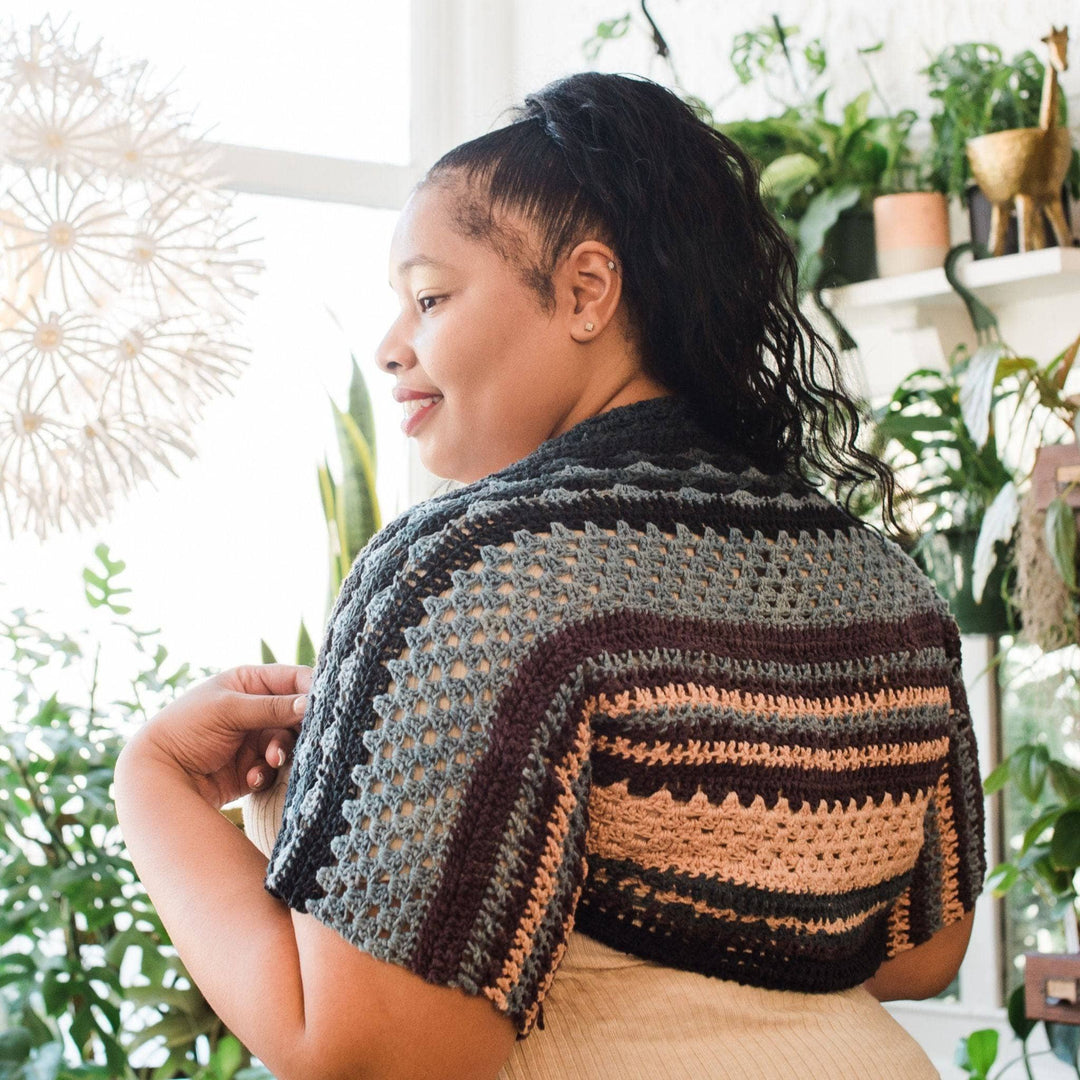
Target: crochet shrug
(633, 685)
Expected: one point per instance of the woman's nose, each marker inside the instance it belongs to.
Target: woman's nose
(394, 353)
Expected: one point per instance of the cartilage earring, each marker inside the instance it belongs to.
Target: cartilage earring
(588, 327)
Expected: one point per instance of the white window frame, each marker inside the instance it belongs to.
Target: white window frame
(460, 54)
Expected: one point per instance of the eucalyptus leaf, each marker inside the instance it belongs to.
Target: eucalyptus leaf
(997, 527)
(1061, 539)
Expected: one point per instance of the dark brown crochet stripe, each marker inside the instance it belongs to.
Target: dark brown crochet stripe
(747, 961)
(491, 795)
(749, 931)
(837, 685)
(770, 783)
(609, 876)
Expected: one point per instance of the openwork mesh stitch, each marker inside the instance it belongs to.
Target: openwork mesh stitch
(634, 685)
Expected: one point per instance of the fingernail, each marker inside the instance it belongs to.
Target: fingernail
(280, 757)
(300, 704)
(258, 781)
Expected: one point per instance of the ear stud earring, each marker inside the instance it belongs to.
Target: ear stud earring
(588, 327)
(610, 265)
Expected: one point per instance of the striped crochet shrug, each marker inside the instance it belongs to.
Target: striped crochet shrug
(634, 686)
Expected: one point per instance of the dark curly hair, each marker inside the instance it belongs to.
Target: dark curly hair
(709, 276)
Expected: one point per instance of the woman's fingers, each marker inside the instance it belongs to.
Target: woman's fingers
(276, 752)
(271, 679)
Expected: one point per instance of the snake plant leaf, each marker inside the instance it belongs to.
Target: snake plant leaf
(1061, 539)
(357, 503)
(327, 491)
(788, 175)
(267, 654)
(997, 526)
(305, 650)
(360, 409)
(977, 390)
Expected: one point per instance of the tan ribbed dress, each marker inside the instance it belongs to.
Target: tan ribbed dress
(609, 1014)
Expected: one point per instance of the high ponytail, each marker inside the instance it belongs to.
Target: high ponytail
(709, 276)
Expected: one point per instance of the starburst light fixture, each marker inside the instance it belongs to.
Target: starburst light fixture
(123, 272)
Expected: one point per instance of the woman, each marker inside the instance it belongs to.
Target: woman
(636, 727)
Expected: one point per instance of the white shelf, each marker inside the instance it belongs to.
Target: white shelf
(1009, 278)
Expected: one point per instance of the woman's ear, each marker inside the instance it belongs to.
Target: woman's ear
(589, 278)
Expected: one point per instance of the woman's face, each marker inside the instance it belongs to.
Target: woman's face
(501, 375)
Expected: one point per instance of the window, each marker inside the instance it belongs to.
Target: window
(314, 106)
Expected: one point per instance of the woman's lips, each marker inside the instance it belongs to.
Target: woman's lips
(415, 411)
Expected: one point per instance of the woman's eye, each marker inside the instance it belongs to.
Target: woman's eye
(424, 299)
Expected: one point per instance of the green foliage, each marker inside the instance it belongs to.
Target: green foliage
(89, 983)
(814, 167)
(977, 1053)
(978, 92)
(816, 163)
(962, 440)
(350, 505)
(607, 30)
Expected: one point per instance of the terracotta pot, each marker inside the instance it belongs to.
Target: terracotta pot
(911, 232)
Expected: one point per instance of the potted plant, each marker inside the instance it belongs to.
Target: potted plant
(820, 175)
(978, 93)
(1042, 868)
(821, 168)
(963, 442)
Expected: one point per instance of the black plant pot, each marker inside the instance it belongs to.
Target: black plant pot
(978, 206)
(849, 254)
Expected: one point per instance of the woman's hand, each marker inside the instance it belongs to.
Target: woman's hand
(231, 733)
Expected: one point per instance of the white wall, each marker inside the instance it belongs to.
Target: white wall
(548, 38)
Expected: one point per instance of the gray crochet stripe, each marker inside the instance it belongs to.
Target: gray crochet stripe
(610, 573)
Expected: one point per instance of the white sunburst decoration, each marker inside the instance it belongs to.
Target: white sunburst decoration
(123, 277)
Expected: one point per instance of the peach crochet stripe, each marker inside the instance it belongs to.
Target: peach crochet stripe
(829, 849)
(801, 757)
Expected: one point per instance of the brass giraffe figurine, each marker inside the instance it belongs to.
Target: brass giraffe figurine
(1026, 167)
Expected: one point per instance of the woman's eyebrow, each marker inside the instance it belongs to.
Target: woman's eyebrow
(417, 260)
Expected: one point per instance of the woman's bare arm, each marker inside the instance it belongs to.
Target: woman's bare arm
(308, 1003)
(925, 970)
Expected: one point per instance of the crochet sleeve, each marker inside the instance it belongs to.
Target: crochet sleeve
(455, 843)
(949, 872)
